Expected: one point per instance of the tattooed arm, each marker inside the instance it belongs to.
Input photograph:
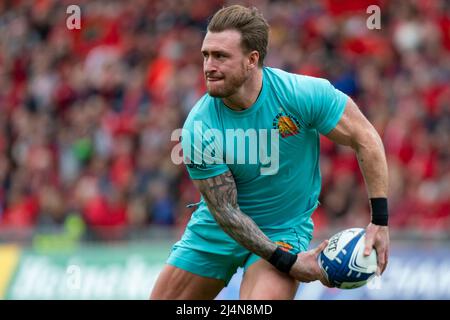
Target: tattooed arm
(220, 195)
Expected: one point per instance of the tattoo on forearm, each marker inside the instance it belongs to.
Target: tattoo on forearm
(221, 197)
(221, 190)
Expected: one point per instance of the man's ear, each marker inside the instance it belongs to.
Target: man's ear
(253, 60)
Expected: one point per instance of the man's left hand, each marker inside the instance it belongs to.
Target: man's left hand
(378, 237)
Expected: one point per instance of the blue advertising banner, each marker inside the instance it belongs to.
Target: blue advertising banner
(130, 271)
(413, 273)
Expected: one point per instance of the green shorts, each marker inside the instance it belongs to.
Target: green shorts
(206, 250)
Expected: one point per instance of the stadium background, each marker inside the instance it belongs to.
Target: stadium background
(90, 200)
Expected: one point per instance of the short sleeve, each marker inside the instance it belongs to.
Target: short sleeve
(202, 151)
(321, 104)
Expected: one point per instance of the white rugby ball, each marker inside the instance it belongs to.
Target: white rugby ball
(343, 261)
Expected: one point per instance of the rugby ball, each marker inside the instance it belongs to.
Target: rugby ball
(343, 261)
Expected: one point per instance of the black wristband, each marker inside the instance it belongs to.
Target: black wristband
(283, 260)
(379, 208)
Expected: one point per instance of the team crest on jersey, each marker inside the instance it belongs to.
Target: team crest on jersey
(287, 124)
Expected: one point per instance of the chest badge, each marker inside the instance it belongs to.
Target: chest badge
(287, 124)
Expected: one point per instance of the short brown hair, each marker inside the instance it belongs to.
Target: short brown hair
(249, 22)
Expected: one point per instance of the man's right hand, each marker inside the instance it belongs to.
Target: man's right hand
(307, 269)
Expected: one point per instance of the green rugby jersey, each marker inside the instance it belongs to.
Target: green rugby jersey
(284, 122)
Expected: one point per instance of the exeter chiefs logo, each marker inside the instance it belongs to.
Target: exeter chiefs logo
(284, 245)
(287, 124)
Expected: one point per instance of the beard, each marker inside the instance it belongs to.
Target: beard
(227, 86)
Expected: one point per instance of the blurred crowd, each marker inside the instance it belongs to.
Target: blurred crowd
(86, 116)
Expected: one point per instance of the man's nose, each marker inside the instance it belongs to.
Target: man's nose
(209, 65)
